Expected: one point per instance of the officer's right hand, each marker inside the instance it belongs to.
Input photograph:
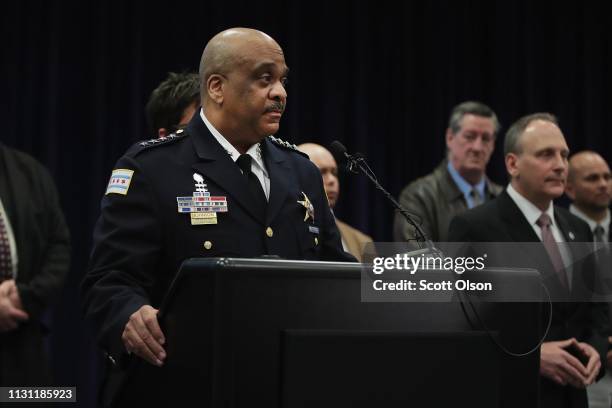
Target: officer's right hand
(143, 337)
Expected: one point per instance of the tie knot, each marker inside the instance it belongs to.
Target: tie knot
(598, 233)
(244, 162)
(544, 221)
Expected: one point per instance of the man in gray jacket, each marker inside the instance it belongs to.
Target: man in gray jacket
(459, 182)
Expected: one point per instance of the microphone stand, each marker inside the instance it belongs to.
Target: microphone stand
(357, 162)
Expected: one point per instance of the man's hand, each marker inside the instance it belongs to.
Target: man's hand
(13, 295)
(560, 366)
(594, 364)
(143, 337)
(10, 313)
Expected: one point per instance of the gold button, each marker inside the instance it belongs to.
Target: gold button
(207, 244)
(269, 232)
(316, 241)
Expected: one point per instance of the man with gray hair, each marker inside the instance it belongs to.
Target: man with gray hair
(536, 159)
(459, 182)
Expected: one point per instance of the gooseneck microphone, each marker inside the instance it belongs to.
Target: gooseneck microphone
(356, 163)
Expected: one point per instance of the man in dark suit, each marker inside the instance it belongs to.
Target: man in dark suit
(34, 260)
(221, 187)
(589, 185)
(536, 159)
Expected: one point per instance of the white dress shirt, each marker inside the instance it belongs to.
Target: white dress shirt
(605, 223)
(257, 164)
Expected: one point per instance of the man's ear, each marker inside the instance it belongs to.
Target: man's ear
(214, 87)
(449, 136)
(511, 161)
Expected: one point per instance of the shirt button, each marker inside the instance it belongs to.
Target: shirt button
(269, 232)
(316, 241)
(207, 244)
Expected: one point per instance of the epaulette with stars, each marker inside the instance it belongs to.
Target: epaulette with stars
(179, 134)
(145, 145)
(286, 145)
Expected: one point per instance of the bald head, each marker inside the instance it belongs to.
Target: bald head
(242, 77)
(324, 160)
(585, 160)
(589, 183)
(229, 50)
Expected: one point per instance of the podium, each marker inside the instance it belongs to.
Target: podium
(277, 333)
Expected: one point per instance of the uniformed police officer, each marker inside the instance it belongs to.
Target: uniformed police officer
(221, 187)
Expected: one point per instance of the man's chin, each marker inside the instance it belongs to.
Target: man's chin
(270, 128)
(555, 192)
(475, 167)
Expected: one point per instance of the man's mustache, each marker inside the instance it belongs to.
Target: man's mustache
(276, 107)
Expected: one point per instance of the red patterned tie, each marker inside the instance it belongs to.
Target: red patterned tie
(6, 264)
(552, 248)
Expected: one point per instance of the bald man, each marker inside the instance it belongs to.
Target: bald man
(589, 185)
(353, 240)
(536, 160)
(222, 187)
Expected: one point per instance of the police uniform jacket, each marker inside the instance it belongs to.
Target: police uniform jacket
(141, 239)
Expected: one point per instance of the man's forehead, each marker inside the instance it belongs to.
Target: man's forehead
(592, 167)
(541, 135)
(271, 64)
(476, 120)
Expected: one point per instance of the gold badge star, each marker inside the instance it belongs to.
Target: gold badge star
(308, 206)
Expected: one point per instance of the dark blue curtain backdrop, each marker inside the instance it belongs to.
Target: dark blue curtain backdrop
(379, 76)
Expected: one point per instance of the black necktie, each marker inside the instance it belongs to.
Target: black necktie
(259, 197)
(598, 234)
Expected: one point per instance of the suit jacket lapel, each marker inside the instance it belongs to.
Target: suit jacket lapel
(577, 253)
(281, 178)
(516, 223)
(11, 195)
(521, 231)
(16, 204)
(564, 227)
(216, 164)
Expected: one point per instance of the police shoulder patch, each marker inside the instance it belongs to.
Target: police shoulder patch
(119, 182)
(286, 145)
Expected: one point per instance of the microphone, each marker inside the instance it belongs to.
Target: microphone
(341, 155)
(356, 163)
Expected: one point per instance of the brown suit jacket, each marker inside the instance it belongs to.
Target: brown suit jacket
(354, 239)
(434, 199)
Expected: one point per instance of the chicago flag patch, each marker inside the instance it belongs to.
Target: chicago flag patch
(119, 182)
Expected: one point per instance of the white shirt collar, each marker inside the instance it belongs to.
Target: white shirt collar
(605, 223)
(529, 210)
(254, 151)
